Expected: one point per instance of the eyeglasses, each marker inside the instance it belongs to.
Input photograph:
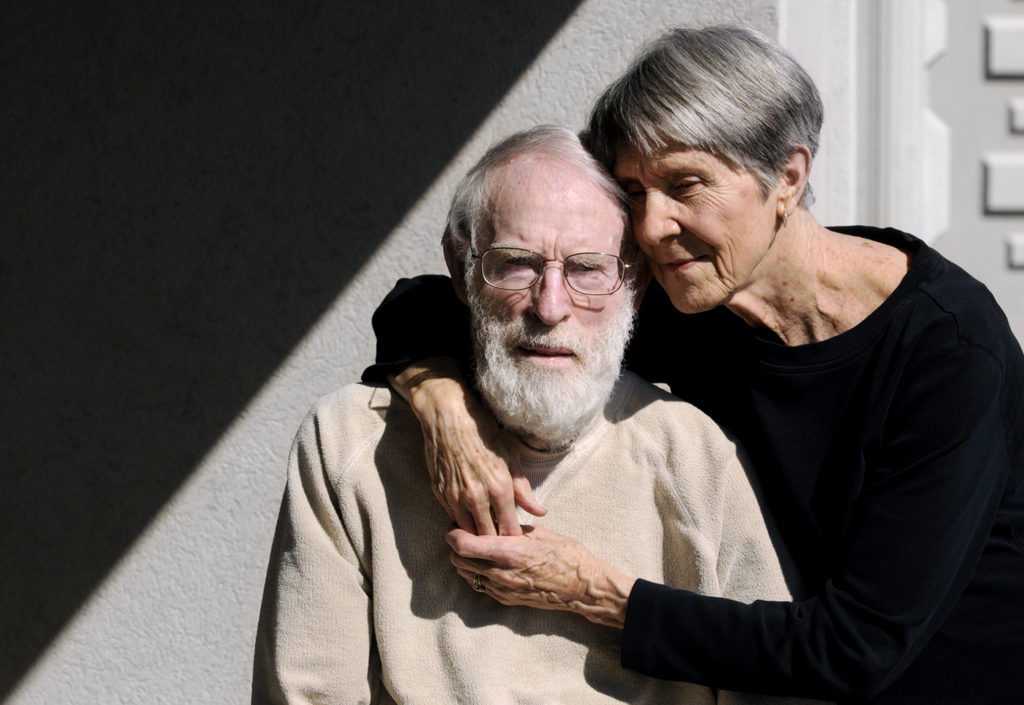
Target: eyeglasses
(513, 269)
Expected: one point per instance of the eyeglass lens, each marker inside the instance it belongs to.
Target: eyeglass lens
(586, 272)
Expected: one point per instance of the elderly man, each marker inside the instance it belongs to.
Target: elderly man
(362, 604)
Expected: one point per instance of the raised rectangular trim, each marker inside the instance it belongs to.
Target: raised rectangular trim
(1005, 52)
(1015, 250)
(1017, 114)
(1004, 182)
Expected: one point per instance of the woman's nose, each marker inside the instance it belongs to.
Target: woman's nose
(655, 218)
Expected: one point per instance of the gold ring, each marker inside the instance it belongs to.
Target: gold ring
(477, 585)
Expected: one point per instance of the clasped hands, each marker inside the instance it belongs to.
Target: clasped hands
(542, 569)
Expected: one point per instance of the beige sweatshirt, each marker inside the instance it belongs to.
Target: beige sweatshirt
(362, 605)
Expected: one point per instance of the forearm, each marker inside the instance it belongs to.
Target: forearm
(605, 595)
(470, 460)
(430, 385)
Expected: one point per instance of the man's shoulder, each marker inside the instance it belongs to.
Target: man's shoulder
(354, 398)
(365, 405)
(352, 421)
(640, 401)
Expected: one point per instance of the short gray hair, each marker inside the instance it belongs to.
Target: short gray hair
(726, 90)
(470, 216)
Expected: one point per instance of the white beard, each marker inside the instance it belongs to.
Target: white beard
(547, 408)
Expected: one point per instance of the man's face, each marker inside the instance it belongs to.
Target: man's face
(548, 356)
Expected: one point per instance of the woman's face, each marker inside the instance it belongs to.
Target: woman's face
(703, 225)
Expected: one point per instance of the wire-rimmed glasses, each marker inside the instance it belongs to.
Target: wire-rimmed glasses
(590, 273)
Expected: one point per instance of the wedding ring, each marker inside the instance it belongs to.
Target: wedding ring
(477, 584)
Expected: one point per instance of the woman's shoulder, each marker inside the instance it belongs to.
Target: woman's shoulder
(938, 304)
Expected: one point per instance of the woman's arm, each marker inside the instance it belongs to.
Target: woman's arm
(465, 450)
(915, 538)
(423, 351)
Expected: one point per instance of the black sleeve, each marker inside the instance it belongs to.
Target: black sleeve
(419, 318)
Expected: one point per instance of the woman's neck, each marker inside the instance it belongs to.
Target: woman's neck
(817, 283)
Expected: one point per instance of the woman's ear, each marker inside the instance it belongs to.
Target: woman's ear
(794, 177)
(456, 266)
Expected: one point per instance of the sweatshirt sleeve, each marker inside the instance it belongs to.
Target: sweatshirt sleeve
(315, 639)
(419, 318)
(924, 512)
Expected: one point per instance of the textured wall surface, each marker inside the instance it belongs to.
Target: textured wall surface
(199, 208)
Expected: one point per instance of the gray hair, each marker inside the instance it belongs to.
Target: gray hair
(470, 217)
(726, 90)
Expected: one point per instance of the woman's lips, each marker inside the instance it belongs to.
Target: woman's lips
(684, 263)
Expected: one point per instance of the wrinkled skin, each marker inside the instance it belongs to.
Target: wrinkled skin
(542, 569)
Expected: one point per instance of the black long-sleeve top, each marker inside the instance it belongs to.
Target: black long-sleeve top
(891, 458)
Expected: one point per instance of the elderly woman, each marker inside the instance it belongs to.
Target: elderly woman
(876, 386)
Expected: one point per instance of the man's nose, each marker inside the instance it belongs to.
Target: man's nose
(552, 302)
(655, 218)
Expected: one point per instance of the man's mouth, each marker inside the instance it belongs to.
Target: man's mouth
(545, 354)
(546, 350)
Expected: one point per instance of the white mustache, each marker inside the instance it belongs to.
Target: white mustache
(522, 333)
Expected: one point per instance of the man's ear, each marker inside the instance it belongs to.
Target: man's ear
(456, 267)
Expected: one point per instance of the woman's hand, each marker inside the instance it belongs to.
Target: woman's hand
(466, 452)
(542, 569)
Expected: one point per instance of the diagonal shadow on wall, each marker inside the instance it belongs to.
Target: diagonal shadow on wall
(184, 192)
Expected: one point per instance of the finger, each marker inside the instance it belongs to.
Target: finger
(463, 518)
(448, 509)
(466, 567)
(480, 513)
(465, 572)
(505, 516)
(524, 497)
(467, 545)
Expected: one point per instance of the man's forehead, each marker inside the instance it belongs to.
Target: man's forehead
(548, 194)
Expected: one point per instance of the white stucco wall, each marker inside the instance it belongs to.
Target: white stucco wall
(174, 620)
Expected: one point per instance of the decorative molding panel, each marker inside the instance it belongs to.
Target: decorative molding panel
(1015, 250)
(1004, 182)
(1017, 114)
(870, 59)
(1005, 47)
(912, 179)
